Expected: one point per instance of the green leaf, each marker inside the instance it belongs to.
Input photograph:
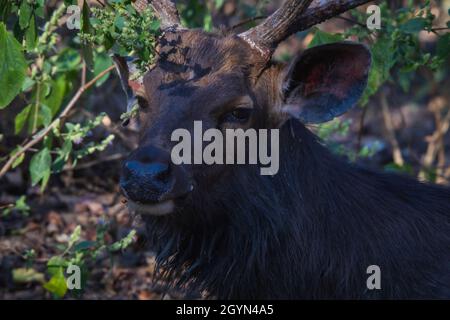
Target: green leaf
(102, 61)
(25, 12)
(414, 25)
(57, 93)
(44, 116)
(322, 37)
(155, 25)
(119, 22)
(382, 62)
(18, 161)
(28, 83)
(27, 275)
(63, 156)
(207, 22)
(123, 243)
(31, 34)
(39, 11)
(67, 60)
(21, 204)
(84, 245)
(5, 9)
(74, 237)
(21, 118)
(57, 284)
(12, 67)
(40, 166)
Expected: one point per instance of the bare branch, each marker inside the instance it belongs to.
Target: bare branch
(396, 151)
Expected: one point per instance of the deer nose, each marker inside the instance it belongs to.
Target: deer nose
(146, 175)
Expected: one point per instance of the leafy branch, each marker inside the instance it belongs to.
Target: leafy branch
(44, 132)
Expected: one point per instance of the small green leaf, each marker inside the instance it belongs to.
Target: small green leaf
(382, 62)
(39, 11)
(12, 67)
(119, 22)
(74, 237)
(414, 25)
(18, 161)
(67, 60)
(31, 34)
(22, 205)
(123, 243)
(84, 245)
(28, 83)
(40, 166)
(27, 275)
(102, 61)
(63, 156)
(21, 119)
(45, 115)
(25, 12)
(155, 25)
(57, 284)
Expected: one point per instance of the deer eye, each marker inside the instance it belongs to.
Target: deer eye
(240, 115)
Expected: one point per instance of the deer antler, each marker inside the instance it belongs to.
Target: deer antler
(292, 17)
(266, 36)
(165, 9)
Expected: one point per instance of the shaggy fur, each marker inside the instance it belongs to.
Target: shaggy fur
(309, 232)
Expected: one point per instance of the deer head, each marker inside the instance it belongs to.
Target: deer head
(228, 81)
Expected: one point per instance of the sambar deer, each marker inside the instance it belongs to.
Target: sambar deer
(313, 229)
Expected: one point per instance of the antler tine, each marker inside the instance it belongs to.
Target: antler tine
(292, 17)
(277, 27)
(166, 11)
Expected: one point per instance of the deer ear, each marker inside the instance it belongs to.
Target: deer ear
(125, 68)
(325, 81)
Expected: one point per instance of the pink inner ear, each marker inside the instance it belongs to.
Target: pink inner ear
(315, 79)
(336, 76)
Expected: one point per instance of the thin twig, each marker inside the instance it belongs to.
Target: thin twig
(436, 146)
(440, 29)
(396, 152)
(40, 135)
(113, 157)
